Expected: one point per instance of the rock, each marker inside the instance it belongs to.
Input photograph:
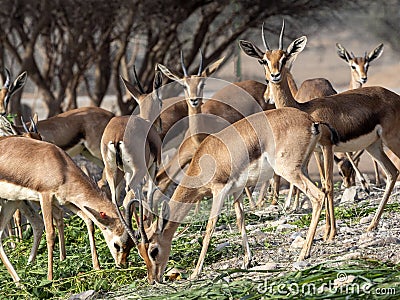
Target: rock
(380, 242)
(221, 246)
(278, 222)
(367, 237)
(298, 243)
(367, 219)
(294, 235)
(349, 195)
(174, 274)
(266, 267)
(348, 256)
(83, 296)
(300, 265)
(272, 209)
(284, 227)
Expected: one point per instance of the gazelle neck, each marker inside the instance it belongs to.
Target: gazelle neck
(195, 123)
(282, 94)
(354, 83)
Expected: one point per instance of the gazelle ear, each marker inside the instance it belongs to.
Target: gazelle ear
(374, 54)
(250, 49)
(131, 89)
(342, 52)
(212, 68)
(168, 73)
(19, 82)
(163, 217)
(296, 47)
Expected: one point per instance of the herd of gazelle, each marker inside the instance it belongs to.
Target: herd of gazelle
(254, 143)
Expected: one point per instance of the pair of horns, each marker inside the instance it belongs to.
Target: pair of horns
(280, 37)
(33, 125)
(184, 69)
(8, 78)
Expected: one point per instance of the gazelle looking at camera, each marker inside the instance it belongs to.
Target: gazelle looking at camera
(364, 118)
(243, 154)
(131, 145)
(57, 181)
(359, 75)
(193, 86)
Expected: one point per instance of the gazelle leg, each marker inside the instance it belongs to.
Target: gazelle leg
(47, 211)
(260, 200)
(6, 213)
(250, 196)
(37, 227)
(377, 175)
(289, 197)
(330, 227)
(17, 223)
(218, 200)
(242, 228)
(376, 151)
(358, 173)
(58, 216)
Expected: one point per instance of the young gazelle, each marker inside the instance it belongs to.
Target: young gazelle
(57, 181)
(243, 154)
(365, 118)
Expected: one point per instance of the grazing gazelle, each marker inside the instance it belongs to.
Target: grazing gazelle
(365, 118)
(34, 170)
(243, 154)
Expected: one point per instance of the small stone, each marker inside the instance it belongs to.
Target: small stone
(284, 227)
(278, 222)
(299, 265)
(266, 267)
(83, 296)
(221, 246)
(366, 219)
(349, 195)
(294, 235)
(349, 256)
(298, 243)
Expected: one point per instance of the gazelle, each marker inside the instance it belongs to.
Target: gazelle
(57, 181)
(359, 74)
(193, 86)
(8, 208)
(364, 118)
(9, 89)
(131, 145)
(243, 154)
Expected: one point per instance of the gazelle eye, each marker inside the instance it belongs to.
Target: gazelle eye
(154, 253)
(353, 67)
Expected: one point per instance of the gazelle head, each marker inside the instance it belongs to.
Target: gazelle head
(152, 246)
(9, 89)
(193, 85)
(275, 62)
(149, 103)
(359, 65)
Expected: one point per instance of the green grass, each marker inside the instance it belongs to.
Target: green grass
(75, 274)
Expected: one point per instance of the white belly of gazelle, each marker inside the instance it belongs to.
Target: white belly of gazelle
(15, 192)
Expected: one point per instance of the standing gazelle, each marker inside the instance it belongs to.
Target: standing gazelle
(364, 118)
(359, 75)
(243, 154)
(131, 145)
(193, 86)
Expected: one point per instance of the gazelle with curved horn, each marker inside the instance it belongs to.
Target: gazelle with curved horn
(131, 145)
(57, 181)
(9, 89)
(193, 87)
(364, 118)
(245, 153)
